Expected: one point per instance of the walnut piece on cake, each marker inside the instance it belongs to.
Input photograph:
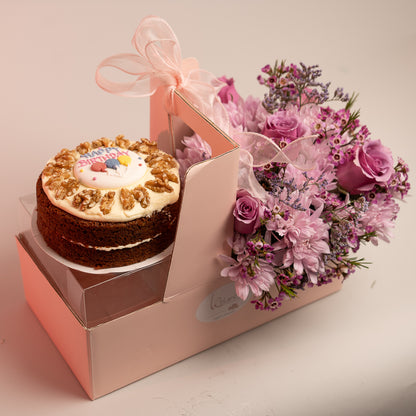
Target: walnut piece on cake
(66, 188)
(160, 160)
(127, 199)
(50, 169)
(65, 159)
(122, 142)
(158, 185)
(58, 175)
(144, 146)
(83, 148)
(103, 142)
(86, 199)
(164, 175)
(142, 196)
(107, 202)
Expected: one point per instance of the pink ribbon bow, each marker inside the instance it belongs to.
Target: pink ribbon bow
(158, 63)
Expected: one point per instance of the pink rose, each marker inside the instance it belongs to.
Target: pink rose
(228, 93)
(283, 125)
(373, 165)
(247, 213)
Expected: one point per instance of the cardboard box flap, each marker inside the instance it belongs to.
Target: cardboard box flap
(205, 221)
(205, 224)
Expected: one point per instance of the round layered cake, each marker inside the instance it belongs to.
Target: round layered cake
(109, 203)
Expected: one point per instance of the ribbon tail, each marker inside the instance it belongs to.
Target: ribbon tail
(297, 153)
(246, 178)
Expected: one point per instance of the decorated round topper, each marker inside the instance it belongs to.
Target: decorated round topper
(109, 168)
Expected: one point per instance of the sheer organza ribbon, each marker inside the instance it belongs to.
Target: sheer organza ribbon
(158, 64)
(257, 150)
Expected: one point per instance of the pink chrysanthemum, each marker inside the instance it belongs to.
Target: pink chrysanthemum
(254, 114)
(246, 115)
(305, 241)
(248, 275)
(196, 149)
(379, 218)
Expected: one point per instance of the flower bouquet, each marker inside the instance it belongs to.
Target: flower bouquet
(302, 219)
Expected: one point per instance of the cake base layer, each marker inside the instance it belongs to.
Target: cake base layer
(104, 244)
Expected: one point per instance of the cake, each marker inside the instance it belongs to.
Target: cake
(109, 203)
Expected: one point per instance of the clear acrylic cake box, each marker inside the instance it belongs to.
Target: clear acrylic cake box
(115, 328)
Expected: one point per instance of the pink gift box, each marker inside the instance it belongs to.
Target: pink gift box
(113, 329)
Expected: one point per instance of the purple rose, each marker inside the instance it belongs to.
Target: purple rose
(247, 213)
(228, 93)
(283, 125)
(373, 164)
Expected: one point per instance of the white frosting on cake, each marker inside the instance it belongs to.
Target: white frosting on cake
(115, 248)
(131, 171)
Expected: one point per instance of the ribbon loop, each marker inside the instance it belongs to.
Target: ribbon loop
(143, 85)
(265, 151)
(151, 29)
(258, 151)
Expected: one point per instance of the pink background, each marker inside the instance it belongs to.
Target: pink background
(352, 353)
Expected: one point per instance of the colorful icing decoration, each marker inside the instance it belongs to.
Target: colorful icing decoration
(124, 160)
(112, 163)
(116, 168)
(98, 167)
